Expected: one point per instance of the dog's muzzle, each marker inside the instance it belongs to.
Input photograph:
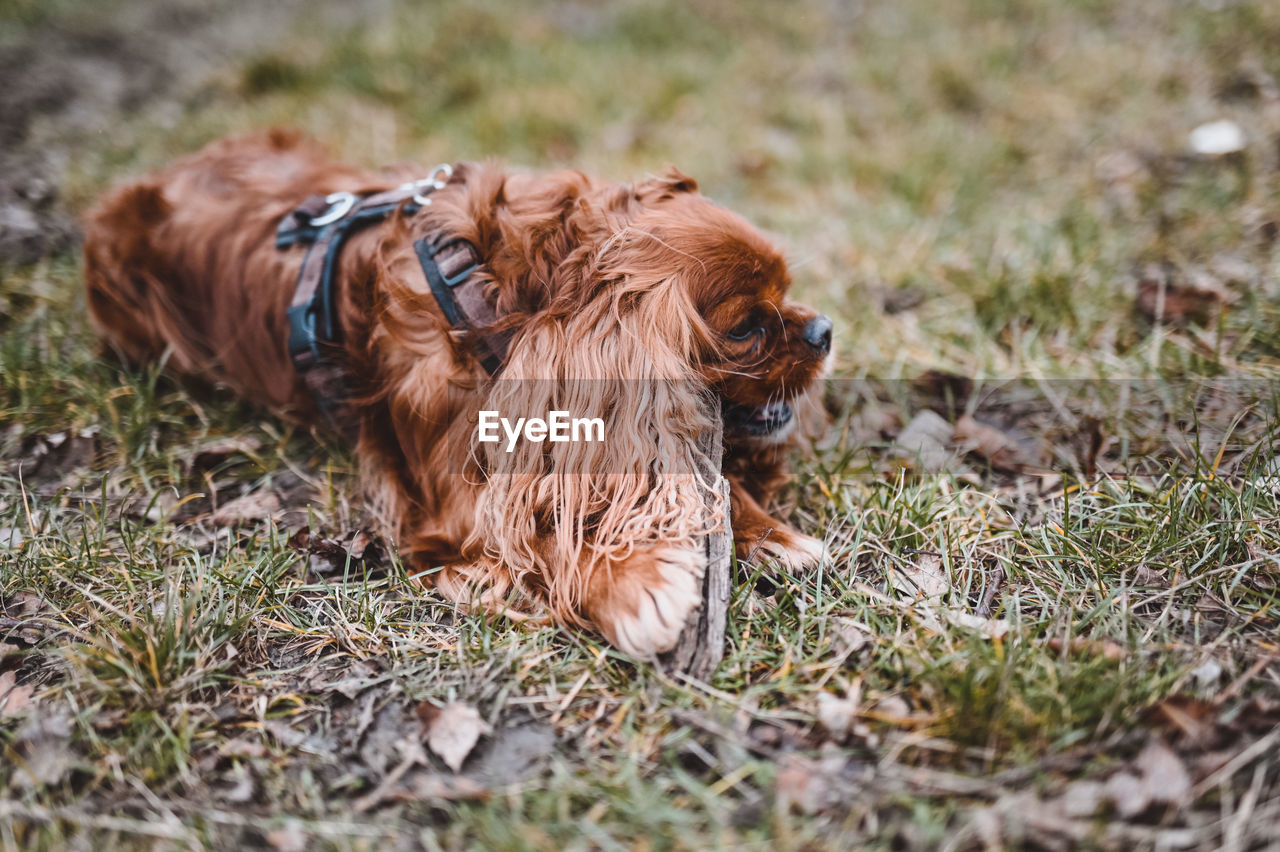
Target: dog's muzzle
(757, 420)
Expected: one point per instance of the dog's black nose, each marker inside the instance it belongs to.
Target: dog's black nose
(818, 333)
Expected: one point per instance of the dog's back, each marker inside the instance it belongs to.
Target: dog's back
(177, 263)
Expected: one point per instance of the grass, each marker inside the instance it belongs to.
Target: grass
(971, 190)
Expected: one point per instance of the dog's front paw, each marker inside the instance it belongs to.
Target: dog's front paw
(641, 604)
(795, 551)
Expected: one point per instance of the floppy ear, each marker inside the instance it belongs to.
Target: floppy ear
(553, 514)
(665, 185)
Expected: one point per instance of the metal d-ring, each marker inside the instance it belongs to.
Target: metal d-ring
(340, 204)
(437, 179)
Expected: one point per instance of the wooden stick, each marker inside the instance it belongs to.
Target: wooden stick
(701, 646)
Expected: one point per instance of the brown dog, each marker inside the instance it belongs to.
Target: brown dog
(631, 303)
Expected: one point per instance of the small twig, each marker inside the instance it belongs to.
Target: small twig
(1248, 675)
(1246, 756)
(413, 755)
(755, 548)
(125, 825)
(989, 595)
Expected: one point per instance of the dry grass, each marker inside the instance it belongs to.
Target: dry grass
(981, 190)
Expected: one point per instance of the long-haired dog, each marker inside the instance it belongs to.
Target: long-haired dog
(633, 303)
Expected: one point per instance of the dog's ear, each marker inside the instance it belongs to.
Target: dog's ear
(553, 514)
(666, 184)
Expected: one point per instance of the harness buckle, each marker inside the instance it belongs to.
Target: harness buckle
(340, 204)
(303, 345)
(438, 179)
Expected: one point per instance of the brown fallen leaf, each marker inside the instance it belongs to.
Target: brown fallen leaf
(943, 391)
(333, 555)
(256, 506)
(1196, 300)
(1093, 439)
(452, 788)
(24, 605)
(15, 698)
(452, 731)
(288, 839)
(1081, 645)
(1002, 451)
(1186, 720)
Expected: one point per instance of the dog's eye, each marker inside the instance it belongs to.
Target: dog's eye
(746, 329)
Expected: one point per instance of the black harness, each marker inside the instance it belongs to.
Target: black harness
(325, 222)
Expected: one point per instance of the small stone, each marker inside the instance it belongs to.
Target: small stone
(1217, 138)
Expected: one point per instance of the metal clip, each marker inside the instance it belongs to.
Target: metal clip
(438, 179)
(340, 204)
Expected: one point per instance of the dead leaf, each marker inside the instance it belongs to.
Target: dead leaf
(838, 714)
(809, 785)
(238, 786)
(849, 637)
(11, 538)
(43, 750)
(451, 788)
(289, 839)
(1081, 645)
(992, 628)
(452, 730)
(1207, 674)
(334, 555)
(1163, 772)
(15, 698)
(923, 442)
(243, 747)
(1082, 798)
(513, 753)
(213, 452)
(891, 708)
(287, 735)
(258, 505)
(1002, 451)
(1162, 300)
(1125, 791)
(923, 580)
(799, 787)
(1159, 778)
(1187, 721)
(943, 391)
(24, 605)
(1094, 439)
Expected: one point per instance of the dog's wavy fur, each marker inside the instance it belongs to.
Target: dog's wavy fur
(606, 285)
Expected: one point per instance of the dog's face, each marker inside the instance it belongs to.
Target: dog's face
(764, 350)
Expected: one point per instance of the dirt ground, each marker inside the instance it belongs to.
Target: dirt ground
(68, 77)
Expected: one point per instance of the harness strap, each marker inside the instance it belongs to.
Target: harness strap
(448, 263)
(325, 222)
